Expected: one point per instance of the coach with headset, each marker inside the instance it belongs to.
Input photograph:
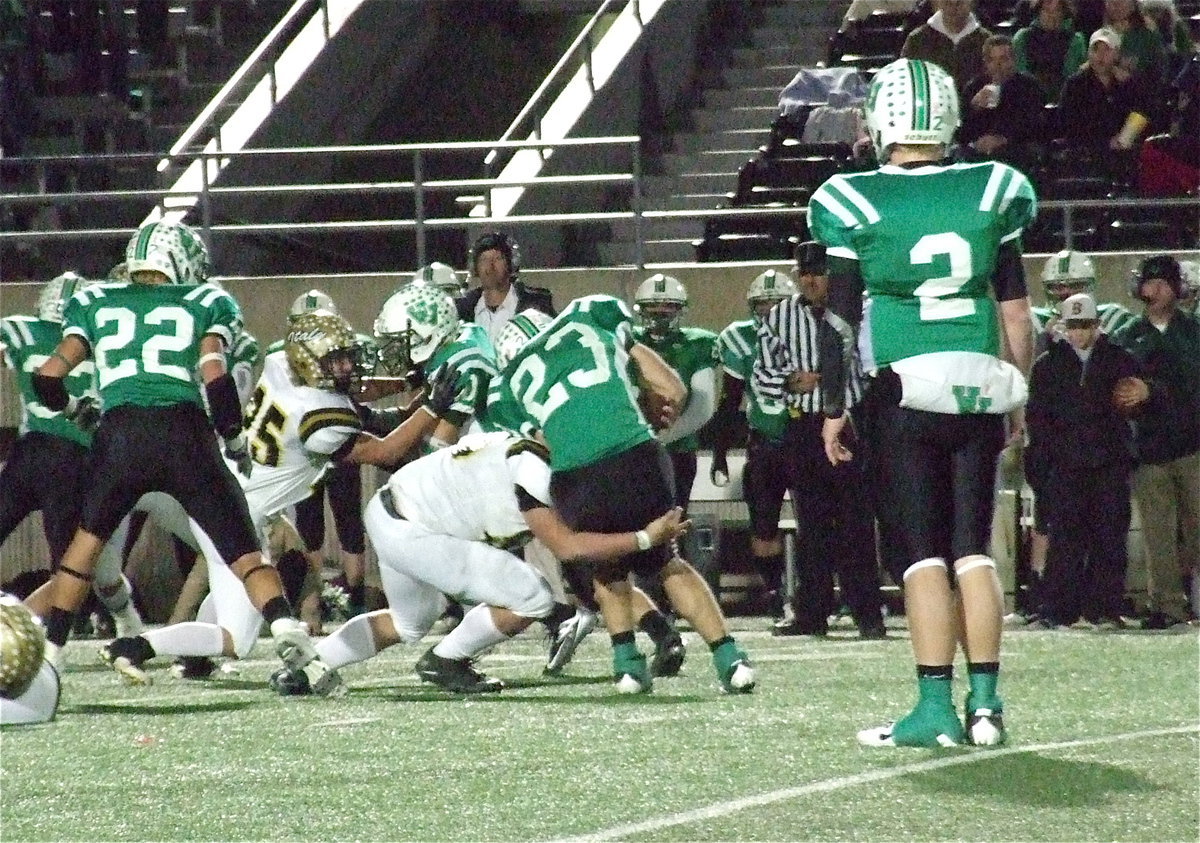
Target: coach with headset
(495, 260)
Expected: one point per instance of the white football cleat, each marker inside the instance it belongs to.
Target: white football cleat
(292, 644)
(566, 639)
(324, 680)
(630, 684)
(986, 728)
(741, 681)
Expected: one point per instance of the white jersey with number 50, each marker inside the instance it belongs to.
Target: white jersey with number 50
(927, 264)
(294, 432)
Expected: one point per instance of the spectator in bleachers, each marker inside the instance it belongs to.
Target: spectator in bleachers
(1050, 48)
(1103, 109)
(1081, 444)
(1172, 29)
(1169, 163)
(1142, 49)
(1004, 106)
(952, 38)
(1165, 341)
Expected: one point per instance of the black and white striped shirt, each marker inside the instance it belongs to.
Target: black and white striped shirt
(788, 342)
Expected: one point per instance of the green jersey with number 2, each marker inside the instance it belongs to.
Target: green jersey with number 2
(572, 382)
(926, 240)
(26, 343)
(145, 339)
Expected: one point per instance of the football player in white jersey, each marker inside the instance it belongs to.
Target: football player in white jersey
(451, 523)
(29, 684)
(300, 419)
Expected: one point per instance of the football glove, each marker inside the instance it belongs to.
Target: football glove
(84, 412)
(443, 387)
(237, 450)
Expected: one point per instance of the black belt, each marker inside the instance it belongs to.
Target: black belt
(389, 503)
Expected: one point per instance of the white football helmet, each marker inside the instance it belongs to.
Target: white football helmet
(442, 276)
(119, 273)
(412, 324)
(53, 298)
(173, 249)
(911, 102)
(313, 340)
(516, 332)
(22, 645)
(310, 301)
(1066, 273)
(771, 286)
(659, 303)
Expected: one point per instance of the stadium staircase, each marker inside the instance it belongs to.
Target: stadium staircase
(746, 63)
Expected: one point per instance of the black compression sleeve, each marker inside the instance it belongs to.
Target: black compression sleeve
(51, 392)
(225, 405)
(1009, 281)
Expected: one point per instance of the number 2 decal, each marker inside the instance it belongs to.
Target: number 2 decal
(939, 295)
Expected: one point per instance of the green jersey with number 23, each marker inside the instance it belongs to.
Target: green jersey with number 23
(572, 382)
(926, 240)
(145, 339)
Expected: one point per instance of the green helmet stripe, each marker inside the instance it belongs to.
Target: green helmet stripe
(919, 76)
(143, 241)
(1064, 263)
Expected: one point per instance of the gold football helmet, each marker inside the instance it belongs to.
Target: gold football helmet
(315, 343)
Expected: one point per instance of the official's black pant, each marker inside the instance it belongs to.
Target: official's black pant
(835, 530)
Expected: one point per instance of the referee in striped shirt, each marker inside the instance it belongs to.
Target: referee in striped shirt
(836, 529)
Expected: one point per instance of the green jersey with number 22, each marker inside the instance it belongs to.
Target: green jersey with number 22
(145, 339)
(572, 382)
(926, 240)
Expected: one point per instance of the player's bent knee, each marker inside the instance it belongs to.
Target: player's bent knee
(537, 603)
(932, 562)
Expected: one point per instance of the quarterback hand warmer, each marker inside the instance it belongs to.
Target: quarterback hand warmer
(225, 406)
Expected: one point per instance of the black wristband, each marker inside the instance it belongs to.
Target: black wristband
(51, 392)
(225, 405)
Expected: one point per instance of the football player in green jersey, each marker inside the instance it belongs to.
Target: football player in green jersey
(660, 303)
(764, 480)
(1063, 275)
(930, 242)
(572, 385)
(148, 339)
(45, 469)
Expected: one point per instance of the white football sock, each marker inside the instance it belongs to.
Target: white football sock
(350, 643)
(472, 636)
(191, 638)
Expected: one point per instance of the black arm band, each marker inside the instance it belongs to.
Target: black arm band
(225, 406)
(51, 392)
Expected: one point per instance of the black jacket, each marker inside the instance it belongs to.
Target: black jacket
(538, 298)
(1168, 427)
(1070, 416)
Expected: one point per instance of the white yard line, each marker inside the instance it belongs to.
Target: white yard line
(723, 809)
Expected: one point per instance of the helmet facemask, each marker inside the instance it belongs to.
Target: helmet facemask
(413, 324)
(659, 303)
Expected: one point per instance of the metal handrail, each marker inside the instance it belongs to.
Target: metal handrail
(242, 75)
(552, 79)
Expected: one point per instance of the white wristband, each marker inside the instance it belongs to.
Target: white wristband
(643, 540)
